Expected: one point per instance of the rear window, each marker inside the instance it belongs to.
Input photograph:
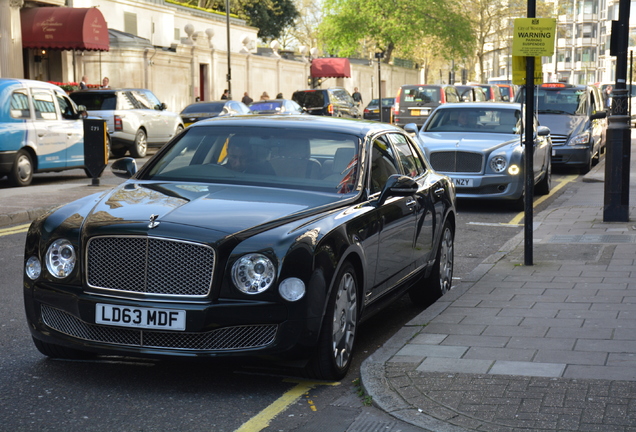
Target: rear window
(265, 106)
(309, 99)
(96, 101)
(421, 94)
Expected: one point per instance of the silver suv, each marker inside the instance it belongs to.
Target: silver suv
(136, 118)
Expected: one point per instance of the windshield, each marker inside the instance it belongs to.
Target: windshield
(558, 100)
(421, 94)
(261, 156)
(472, 119)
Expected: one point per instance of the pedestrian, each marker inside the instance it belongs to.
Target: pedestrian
(247, 99)
(225, 95)
(357, 97)
(608, 96)
(83, 84)
(279, 96)
(105, 83)
(264, 96)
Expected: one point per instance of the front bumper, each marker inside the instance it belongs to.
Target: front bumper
(490, 186)
(571, 156)
(60, 316)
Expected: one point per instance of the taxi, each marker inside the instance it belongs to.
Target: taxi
(41, 129)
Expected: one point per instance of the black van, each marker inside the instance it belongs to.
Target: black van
(335, 102)
(414, 103)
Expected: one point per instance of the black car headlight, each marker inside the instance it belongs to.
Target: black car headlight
(60, 258)
(253, 273)
(580, 139)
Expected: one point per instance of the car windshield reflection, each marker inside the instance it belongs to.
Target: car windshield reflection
(269, 157)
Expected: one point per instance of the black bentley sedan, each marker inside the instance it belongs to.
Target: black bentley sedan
(244, 236)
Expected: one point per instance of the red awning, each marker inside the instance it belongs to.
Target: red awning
(64, 28)
(331, 67)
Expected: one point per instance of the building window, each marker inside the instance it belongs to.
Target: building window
(177, 34)
(130, 23)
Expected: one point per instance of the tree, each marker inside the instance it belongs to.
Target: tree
(403, 24)
(269, 16)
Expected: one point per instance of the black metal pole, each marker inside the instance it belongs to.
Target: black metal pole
(379, 56)
(229, 68)
(529, 150)
(617, 158)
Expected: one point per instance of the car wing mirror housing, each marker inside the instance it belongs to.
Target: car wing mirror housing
(598, 115)
(543, 131)
(398, 185)
(411, 128)
(124, 167)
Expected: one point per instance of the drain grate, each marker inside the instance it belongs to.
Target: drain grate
(594, 238)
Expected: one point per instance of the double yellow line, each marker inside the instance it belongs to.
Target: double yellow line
(14, 230)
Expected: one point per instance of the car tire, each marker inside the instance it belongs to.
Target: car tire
(22, 170)
(339, 327)
(118, 152)
(140, 146)
(61, 352)
(545, 184)
(179, 130)
(440, 280)
(587, 167)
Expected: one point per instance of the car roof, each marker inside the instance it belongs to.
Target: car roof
(481, 105)
(322, 123)
(20, 82)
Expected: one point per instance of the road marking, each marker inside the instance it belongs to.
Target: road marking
(14, 230)
(495, 224)
(567, 179)
(261, 420)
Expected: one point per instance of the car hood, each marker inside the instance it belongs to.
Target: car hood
(563, 124)
(478, 142)
(227, 209)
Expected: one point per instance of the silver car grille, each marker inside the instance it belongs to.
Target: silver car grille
(150, 265)
(227, 338)
(559, 140)
(457, 161)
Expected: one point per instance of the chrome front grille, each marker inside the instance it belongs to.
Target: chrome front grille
(457, 161)
(150, 265)
(223, 339)
(559, 140)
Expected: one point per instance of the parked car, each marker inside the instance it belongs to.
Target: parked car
(414, 103)
(41, 130)
(276, 106)
(631, 97)
(204, 110)
(334, 102)
(471, 93)
(507, 92)
(265, 236)
(577, 120)
(493, 92)
(479, 145)
(372, 110)
(135, 118)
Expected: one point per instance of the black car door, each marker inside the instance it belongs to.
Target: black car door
(413, 165)
(397, 221)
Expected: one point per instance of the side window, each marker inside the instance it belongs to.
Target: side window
(127, 101)
(20, 104)
(411, 164)
(451, 95)
(66, 107)
(44, 105)
(155, 103)
(383, 163)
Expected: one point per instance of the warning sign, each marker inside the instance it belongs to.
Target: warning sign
(534, 37)
(519, 70)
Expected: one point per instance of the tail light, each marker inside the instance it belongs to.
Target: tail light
(118, 125)
(396, 105)
(330, 109)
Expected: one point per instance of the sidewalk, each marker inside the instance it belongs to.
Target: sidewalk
(547, 347)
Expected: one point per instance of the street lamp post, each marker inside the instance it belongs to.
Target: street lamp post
(379, 56)
(229, 67)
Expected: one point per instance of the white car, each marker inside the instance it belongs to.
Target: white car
(135, 118)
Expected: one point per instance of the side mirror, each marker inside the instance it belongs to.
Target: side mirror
(411, 128)
(598, 115)
(124, 167)
(163, 106)
(398, 185)
(543, 131)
